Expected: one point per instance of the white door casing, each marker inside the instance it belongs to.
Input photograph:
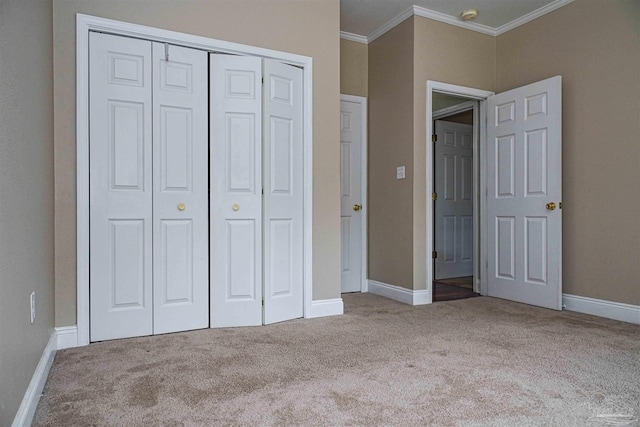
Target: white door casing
(120, 187)
(283, 192)
(235, 190)
(454, 240)
(351, 196)
(180, 189)
(524, 174)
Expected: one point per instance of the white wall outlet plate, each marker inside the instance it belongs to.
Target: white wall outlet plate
(400, 172)
(32, 305)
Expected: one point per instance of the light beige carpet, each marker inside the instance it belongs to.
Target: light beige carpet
(473, 362)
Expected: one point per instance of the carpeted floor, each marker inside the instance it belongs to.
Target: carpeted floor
(472, 362)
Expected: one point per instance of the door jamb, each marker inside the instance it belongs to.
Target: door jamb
(86, 24)
(362, 101)
(479, 174)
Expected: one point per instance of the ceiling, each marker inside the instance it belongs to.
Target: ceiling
(371, 18)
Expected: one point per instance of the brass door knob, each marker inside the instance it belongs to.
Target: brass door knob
(357, 207)
(235, 207)
(181, 206)
(551, 206)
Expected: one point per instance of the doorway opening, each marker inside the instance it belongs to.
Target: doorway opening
(454, 118)
(453, 201)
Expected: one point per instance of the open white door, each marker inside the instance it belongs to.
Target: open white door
(351, 196)
(180, 190)
(454, 201)
(236, 190)
(283, 192)
(120, 208)
(524, 180)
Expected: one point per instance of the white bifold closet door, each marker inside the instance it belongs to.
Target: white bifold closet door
(256, 191)
(148, 188)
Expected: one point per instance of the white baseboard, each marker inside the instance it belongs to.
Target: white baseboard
(597, 307)
(27, 408)
(326, 307)
(67, 337)
(397, 293)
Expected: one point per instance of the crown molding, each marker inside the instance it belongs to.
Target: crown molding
(531, 16)
(437, 16)
(353, 37)
(398, 19)
(447, 19)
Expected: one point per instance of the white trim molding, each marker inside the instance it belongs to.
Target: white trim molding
(84, 25)
(66, 337)
(454, 109)
(597, 307)
(326, 307)
(353, 37)
(404, 295)
(452, 20)
(27, 408)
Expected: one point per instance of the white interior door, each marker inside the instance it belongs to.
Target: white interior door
(351, 196)
(283, 192)
(236, 190)
(120, 194)
(180, 189)
(524, 175)
(454, 202)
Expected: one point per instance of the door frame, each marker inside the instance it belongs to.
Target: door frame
(88, 23)
(478, 98)
(362, 101)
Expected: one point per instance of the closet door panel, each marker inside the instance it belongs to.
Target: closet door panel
(283, 196)
(236, 190)
(180, 193)
(120, 187)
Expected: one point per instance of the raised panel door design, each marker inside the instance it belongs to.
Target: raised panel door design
(120, 190)
(127, 261)
(524, 173)
(236, 183)
(505, 247)
(453, 163)
(449, 249)
(175, 285)
(126, 141)
(345, 169)
(350, 195)
(176, 149)
(282, 268)
(505, 166)
(283, 196)
(281, 159)
(241, 271)
(240, 139)
(180, 196)
(535, 162)
(535, 250)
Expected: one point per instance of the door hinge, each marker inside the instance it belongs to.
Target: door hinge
(434, 138)
(263, 80)
(434, 254)
(434, 196)
(166, 52)
(263, 302)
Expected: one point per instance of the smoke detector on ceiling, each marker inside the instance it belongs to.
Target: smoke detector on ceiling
(469, 14)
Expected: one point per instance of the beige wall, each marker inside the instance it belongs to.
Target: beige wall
(309, 27)
(446, 54)
(391, 145)
(26, 194)
(354, 63)
(595, 46)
